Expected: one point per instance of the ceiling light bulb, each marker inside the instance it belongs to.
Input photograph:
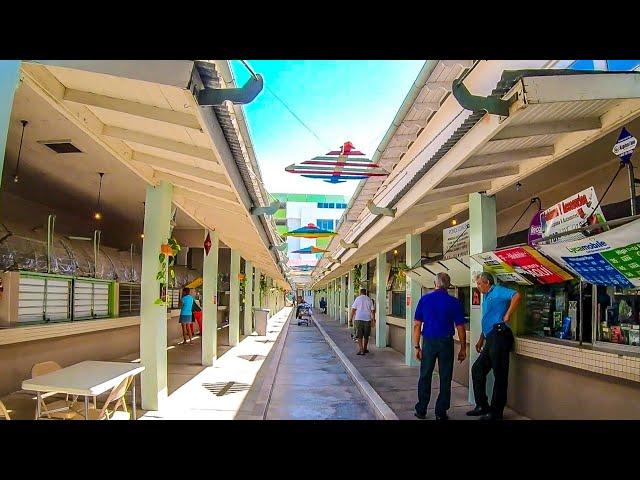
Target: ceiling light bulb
(15, 179)
(142, 235)
(454, 222)
(97, 216)
(395, 252)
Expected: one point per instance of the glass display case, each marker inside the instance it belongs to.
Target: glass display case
(552, 310)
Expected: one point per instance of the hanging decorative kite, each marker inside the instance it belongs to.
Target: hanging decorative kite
(302, 268)
(311, 250)
(310, 231)
(337, 167)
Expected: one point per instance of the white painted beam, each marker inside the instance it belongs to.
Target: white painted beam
(549, 128)
(180, 168)
(453, 63)
(424, 106)
(434, 86)
(159, 142)
(137, 109)
(510, 156)
(229, 205)
(460, 177)
(571, 88)
(196, 187)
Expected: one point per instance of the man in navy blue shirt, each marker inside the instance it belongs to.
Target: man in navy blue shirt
(494, 345)
(436, 315)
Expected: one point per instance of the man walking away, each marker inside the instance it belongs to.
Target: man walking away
(323, 305)
(436, 315)
(497, 339)
(362, 312)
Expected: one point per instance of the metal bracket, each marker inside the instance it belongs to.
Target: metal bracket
(217, 96)
(386, 211)
(344, 244)
(270, 210)
(475, 103)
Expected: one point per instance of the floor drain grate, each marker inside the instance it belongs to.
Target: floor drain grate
(252, 358)
(219, 389)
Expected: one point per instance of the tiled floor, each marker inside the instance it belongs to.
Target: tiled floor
(311, 383)
(194, 388)
(395, 382)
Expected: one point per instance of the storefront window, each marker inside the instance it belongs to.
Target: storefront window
(552, 310)
(618, 316)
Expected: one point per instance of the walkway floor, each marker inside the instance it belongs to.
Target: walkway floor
(311, 383)
(395, 382)
(195, 392)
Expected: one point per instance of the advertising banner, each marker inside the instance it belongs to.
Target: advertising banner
(522, 265)
(455, 241)
(611, 258)
(571, 213)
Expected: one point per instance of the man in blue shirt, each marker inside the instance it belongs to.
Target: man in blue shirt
(497, 339)
(436, 314)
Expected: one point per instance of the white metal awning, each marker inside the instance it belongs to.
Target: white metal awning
(551, 117)
(145, 115)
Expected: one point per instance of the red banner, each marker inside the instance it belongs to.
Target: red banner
(531, 265)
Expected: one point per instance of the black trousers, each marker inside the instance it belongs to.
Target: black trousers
(494, 356)
(433, 349)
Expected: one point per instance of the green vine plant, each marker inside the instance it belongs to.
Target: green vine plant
(166, 258)
(357, 274)
(263, 284)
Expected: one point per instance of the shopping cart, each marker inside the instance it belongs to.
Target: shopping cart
(303, 314)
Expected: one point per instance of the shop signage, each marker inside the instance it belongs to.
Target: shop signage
(522, 265)
(625, 146)
(571, 213)
(535, 228)
(455, 241)
(611, 258)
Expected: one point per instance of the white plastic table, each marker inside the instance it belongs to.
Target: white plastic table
(88, 378)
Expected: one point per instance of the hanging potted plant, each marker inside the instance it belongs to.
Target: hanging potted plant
(166, 258)
(357, 272)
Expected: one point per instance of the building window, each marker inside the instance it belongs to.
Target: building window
(612, 65)
(341, 205)
(325, 224)
(617, 316)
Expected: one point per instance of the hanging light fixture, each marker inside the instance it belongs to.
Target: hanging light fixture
(15, 176)
(98, 214)
(144, 205)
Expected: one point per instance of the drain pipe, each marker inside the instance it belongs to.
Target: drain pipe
(51, 223)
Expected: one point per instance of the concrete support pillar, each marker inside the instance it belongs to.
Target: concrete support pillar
(363, 277)
(153, 317)
(482, 238)
(256, 291)
(341, 292)
(248, 298)
(9, 76)
(210, 302)
(332, 296)
(350, 293)
(413, 295)
(381, 300)
(234, 299)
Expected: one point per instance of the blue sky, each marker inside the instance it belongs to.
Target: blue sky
(339, 100)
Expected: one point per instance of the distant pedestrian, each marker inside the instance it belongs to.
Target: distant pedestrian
(323, 305)
(362, 315)
(186, 316)
(494, 345)
(437, 313)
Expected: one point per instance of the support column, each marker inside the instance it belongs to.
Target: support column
(363, 277)
(248, 298)
(331, 298)
(381, 300)
(350, 293)
(210, 302)
(9, 76)
(482, 238)
(413, 295)
(256, 294)
(234, 299)
(153, 317)
(341, 292)
(335, 299)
